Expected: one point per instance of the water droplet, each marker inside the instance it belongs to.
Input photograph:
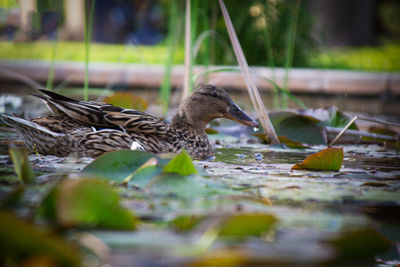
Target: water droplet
(258, 156)
(255, 128)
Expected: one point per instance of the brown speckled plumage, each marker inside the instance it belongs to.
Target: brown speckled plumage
(72, 127)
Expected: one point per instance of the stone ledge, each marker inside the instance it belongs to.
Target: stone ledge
(309, 81)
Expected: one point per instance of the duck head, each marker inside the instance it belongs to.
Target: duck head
(207, 103)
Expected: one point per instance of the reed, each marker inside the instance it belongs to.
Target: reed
(188, 49)
(172, 42)
(50, 75)
(251, 86)
(88, 37)
(291, 36)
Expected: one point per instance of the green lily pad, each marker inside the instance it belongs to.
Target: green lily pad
(337, 119)
(329, 159)
(181, 164)
(118, 166)
(297, 127)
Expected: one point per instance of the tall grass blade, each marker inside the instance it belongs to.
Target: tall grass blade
(206, 25)
(165, 90)
(270, 55)
(291, 35)
(188, 49)
(251, 86)
(50, 75)
(193, 26)
(88, 37)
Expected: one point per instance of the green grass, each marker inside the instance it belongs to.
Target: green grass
(74, 51)
(384, 58)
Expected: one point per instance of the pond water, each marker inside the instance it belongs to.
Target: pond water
(313, 209)
(319, 217)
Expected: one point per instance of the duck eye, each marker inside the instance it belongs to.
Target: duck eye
(214, 94)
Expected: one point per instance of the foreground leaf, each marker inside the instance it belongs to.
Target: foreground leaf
(21, 241)
(91, 203)
(329, 159)
(22, 166)
(362, 243)
(181, 164)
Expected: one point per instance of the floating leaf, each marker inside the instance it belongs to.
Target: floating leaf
(362, 243)
(211, 131)
(381, 131)
(330, 116)
(181, 164)
(291, 143)
(299, 128)
(22, 166)
(329, 159)
(252, 224)
(91, 203)
(126, 100)
(22, 241)
(117, 166)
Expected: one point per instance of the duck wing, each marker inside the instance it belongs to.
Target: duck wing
(153, 134)
(86, 112)
(134, 121)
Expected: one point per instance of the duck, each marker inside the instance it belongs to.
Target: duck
(91, 128)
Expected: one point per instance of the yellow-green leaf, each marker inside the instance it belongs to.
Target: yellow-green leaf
(329, 159)
(181, 164)
(291, 143)
(22, 166)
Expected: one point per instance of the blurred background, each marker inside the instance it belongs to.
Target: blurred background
(344, 53)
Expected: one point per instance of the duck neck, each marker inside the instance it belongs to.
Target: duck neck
(184, 119)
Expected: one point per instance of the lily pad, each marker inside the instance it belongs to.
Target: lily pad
(297, 127)
(329, 159)
(117, 166)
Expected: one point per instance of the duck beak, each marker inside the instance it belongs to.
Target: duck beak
(236, 114)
